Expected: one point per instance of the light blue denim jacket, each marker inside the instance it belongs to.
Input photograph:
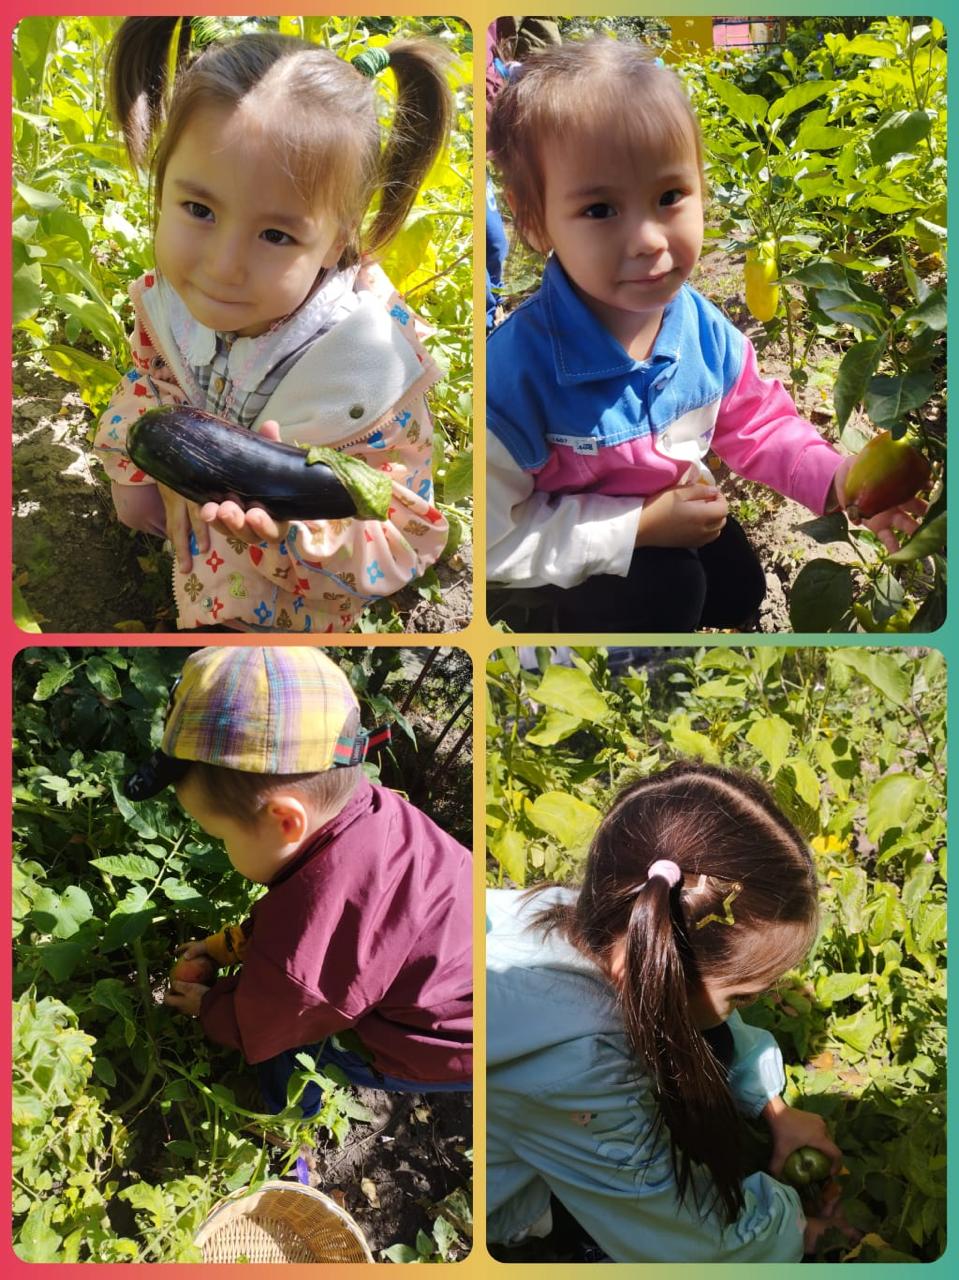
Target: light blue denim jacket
(566, 1112)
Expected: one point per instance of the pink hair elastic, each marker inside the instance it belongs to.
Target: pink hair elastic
(667, 869)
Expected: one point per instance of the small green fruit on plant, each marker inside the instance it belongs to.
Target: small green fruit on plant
(884, 474)
(806, 1166)
(201, 969)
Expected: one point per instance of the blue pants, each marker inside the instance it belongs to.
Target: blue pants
(275, 1073)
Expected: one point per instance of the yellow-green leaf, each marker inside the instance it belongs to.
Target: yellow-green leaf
(690, 742)
(806, 783)
(22, 613)
(95, 378)
(509, 850)
(771, 736)
(570, 690)
(564, 817)
(553, 728)
(892, 801)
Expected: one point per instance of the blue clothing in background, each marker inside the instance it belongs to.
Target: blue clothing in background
(567, 1112)
(497, 247)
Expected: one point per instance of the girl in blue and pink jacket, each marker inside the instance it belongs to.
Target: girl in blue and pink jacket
(609, 386)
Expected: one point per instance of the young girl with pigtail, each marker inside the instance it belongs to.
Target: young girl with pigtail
(265, 308)
(618, 1070)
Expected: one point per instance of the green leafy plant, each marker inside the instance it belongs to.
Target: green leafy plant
(441, 1246)
(831, 162)
(450, 1236)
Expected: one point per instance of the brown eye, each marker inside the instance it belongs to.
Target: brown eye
(197, 210)
(600, 211)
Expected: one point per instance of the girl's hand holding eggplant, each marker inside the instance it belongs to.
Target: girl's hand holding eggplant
(183, 518)
(255, 525)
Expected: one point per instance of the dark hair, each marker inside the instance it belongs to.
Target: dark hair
(570, 93)
(322, 111)
(744, 867)
(242, 795)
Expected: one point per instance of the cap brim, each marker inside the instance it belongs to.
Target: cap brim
(155, 774)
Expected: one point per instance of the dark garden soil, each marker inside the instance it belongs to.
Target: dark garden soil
(392, 1173)
(79, 570)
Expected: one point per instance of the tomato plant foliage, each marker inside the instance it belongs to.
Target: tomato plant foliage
(127, 1124)
(851, 742)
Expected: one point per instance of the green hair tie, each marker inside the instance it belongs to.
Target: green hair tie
(372, 61)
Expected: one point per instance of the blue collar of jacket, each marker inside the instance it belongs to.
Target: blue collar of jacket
(555, 377)
(584, 351)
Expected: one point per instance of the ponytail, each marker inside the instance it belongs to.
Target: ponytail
(138, 65)
(740, 871)
(688, 1080)
(419, 131)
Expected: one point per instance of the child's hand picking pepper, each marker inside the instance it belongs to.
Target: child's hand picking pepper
(903, 517)
(194, 964)
(191, 977)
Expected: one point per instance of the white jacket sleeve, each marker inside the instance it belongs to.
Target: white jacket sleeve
(540, 539)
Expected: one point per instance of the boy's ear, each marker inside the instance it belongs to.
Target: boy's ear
(287, 817)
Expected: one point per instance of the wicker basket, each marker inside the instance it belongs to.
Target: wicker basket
(281, 1222)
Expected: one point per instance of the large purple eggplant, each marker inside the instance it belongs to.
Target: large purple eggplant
(206, 459)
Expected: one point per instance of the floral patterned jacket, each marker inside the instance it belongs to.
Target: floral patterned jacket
(358, 386)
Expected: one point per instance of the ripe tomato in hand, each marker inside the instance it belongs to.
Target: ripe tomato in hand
(200, 969)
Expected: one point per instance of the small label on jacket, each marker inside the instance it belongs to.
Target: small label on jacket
(578, 444)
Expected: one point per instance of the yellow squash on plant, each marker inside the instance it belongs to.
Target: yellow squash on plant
(762, 294)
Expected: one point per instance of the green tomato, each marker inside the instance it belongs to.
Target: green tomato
(806, 1166)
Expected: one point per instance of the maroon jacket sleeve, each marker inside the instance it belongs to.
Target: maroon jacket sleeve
(232, 1013)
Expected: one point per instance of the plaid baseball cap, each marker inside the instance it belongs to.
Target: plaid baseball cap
(260, 709)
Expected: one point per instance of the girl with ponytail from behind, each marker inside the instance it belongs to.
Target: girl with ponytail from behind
(266, 308)
(618, 1070)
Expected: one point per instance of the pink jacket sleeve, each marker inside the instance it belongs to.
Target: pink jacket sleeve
(760, 434)
(147, 385)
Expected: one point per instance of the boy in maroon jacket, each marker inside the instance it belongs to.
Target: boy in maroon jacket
(366, 924)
